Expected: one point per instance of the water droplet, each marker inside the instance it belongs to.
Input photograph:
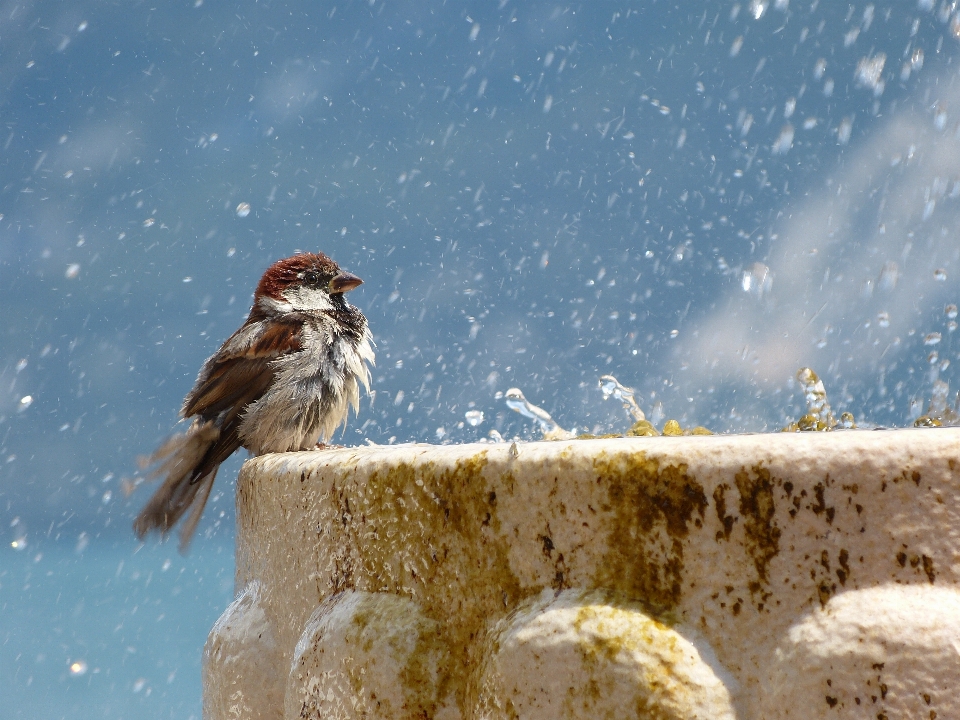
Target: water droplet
(149, 222)
(22, 364)
(889, 275)
(931, 338)
(25, 402)
(940, 117)
(243, 209)
(869, 72)
(72, 271)
(139, 684)
(933, 357)
(757, 280)
(758, 8)
(784, 141)
(916, 60)
(78, 668)
(473, 417)
(736, 46)
(674, 333)
(883, 319)
(844, 130)
(952, 325)
(950, 311)
(940, 275)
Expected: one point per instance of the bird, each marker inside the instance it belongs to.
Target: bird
(284, 381)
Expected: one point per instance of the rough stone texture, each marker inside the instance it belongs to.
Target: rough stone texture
(692, 575)
(366, 655)
(585, 654)
(891, 651)
(240, 661)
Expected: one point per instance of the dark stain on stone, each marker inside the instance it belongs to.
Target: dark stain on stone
(720, 501)
(824, 590)
(457, 525)
(928, 569)
(915, 476)
(843, 572)
(820, 506)
(758, 509)
(647, 500)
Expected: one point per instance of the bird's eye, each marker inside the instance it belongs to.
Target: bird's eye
(311, 278)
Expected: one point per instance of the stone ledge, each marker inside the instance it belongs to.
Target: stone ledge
(753, 576)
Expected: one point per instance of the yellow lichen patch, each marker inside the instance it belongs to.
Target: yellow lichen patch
(758, 509)
(672, 428)
(642, 428)
(652, 507)
(594, 654)
(432, 533)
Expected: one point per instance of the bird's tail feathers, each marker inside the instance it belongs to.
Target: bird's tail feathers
(178, 461)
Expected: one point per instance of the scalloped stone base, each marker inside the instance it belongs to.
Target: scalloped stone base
(754, 576)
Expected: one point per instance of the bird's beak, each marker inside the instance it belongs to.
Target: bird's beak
(344, 282)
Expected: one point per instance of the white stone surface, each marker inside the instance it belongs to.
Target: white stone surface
(745, 548)
(589, 655)
(241, 662)
(891, 651)
(366, 655)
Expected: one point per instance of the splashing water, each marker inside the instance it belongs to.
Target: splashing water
(609, 385)
(548, 426)
(939, 413)
(819, 417)
(816, 396)
(473, 417)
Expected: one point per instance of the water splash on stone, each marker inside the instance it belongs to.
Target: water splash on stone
(610, 386)
(548, 426)
(819, 417)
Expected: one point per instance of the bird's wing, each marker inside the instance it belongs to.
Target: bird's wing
(241, 370)
(238, 374)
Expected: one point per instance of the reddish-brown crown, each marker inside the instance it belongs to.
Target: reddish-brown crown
(289, 271)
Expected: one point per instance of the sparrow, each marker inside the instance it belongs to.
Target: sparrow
(285, 380)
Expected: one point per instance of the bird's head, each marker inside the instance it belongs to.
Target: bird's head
(306, 281)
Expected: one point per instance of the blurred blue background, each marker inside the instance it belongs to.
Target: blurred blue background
(699, 198)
